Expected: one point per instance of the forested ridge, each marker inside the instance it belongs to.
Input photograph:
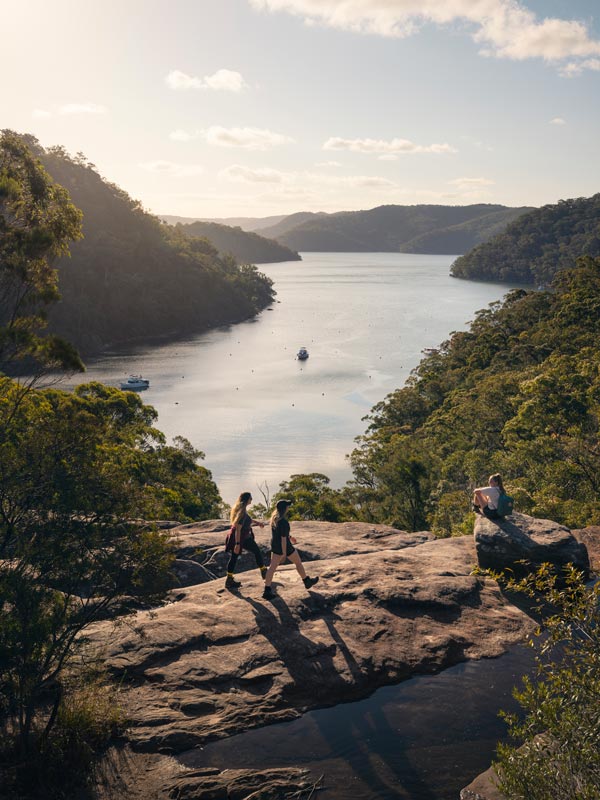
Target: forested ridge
(246, 247)
(534, 247)
(394, 228)
(133, 278)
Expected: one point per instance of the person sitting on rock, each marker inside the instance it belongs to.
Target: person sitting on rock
(485, 498)
(282, 547)
(242, 536)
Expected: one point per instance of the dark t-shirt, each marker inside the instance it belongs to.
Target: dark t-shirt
(281, 529)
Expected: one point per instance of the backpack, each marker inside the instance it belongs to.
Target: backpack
(505, 505)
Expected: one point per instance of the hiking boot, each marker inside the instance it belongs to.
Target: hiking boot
(308, 582)
(231, 583)
(268, 593)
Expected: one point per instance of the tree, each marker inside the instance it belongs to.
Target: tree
(73, 486)
(312, 498)
(555, 752)
(37, 223)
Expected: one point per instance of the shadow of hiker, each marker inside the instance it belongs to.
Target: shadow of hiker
(309, 664)
(314, 675)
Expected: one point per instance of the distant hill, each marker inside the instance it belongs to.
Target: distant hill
(133, 278)
(396, 229)
(534, 247)
(290, 222)
(245, 223)
(245, 246)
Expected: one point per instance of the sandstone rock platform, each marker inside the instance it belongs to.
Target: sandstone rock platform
(212, 663)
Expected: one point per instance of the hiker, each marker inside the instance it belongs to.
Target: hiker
(485, 498)
(282, 547)
(241, 537)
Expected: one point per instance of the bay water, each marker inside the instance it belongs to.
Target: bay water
(260, 415)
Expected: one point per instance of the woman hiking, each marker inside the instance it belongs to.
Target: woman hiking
(282, 547)
(241, 537)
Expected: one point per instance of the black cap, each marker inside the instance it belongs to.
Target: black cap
(283, 505)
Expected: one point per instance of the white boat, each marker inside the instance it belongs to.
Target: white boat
(302, 354)
(135, 383)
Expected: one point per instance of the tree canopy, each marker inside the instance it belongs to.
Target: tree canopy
(37, 224)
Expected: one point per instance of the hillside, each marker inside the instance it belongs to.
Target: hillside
(245, 223)
(246, 247)
(533, 248)
(423, 228)
(133, 278)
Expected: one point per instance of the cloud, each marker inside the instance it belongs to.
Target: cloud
(471, 183)
(263, 175)
(328, 164)
(246, 138)
(387, 157)
(171, 168)
(503, 28)
(223, 80)
(574, 68)
(386, 147)
(558, 121)
(40, 113)
(295, 181)
(82, 108)
(180, 135)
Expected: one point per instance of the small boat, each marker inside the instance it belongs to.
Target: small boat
(135, 383)
(302, 354)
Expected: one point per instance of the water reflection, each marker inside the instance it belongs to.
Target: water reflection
(424, 739)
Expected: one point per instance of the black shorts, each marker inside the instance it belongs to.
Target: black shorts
(276, 546)
(490, 513)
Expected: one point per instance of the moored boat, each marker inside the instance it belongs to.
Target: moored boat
(302, 354)
(135, 383)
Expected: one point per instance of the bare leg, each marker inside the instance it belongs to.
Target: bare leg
(275, 562)
(479, 499)
(297, 562)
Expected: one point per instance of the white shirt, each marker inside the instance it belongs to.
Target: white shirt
(492, 493)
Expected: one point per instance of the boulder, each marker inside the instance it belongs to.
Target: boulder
(190, 573)
(502, 544)
(590, 537)
(213, 663)
(483, 788)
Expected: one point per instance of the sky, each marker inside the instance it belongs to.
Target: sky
(223, 108)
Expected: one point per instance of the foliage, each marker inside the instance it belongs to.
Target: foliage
(396, 229)
(536, 246)
(245, 246)
(518, 393)
(77, 474)
(37, 223)
(312, 498)
(555, 749)
(134, 278)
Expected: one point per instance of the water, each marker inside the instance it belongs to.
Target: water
(425, 739)
(239, 394)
